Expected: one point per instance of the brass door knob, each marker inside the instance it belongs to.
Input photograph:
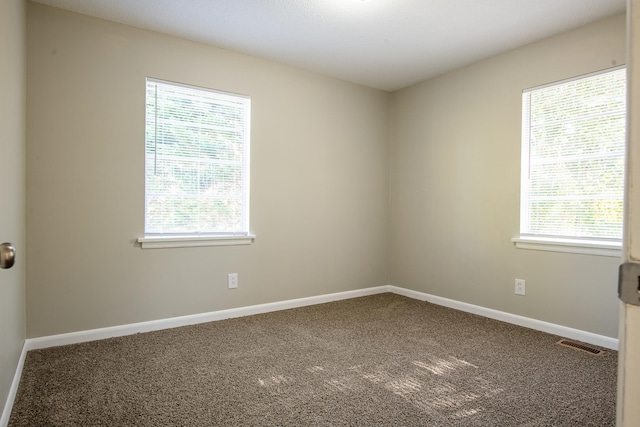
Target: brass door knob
(7, 255)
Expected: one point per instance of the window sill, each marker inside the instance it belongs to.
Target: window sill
(598, 248)
(161, 242)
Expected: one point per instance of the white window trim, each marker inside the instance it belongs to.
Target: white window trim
(594, 247)
(225, 238)
(162, 242)
(607, 248)
(229, 237)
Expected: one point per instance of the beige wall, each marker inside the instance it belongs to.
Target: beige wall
(319, 200)
(12, 187)
(455, 183)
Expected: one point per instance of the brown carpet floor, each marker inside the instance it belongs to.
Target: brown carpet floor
(382, 360)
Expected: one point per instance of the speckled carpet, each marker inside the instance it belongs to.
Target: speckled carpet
(382, 360)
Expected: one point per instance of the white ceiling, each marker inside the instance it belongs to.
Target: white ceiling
(384, 44)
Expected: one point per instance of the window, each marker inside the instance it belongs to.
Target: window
(573, 154)
(196, 166)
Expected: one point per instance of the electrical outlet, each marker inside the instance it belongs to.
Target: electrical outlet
(232, 280)
(520, 288)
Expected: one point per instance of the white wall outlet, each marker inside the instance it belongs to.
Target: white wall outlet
(232, 280)
(520, 289)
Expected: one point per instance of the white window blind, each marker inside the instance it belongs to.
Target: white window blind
(573, 149)
(196, 161)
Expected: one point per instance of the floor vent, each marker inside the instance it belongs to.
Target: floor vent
(581, 347)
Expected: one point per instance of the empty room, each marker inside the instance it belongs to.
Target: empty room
(332, 212)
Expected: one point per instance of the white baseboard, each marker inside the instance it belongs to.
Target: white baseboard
(527, 322)
(8, 405)
(155, 325)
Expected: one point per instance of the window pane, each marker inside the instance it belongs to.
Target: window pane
(573, 158)
(197, 145)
